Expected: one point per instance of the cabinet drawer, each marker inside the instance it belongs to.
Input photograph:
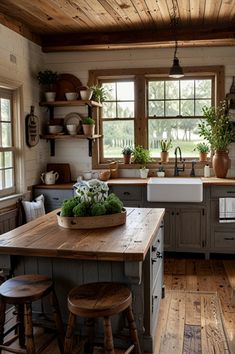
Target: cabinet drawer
(53, 197)
(225, 240)
(127, 193)
(223, 191)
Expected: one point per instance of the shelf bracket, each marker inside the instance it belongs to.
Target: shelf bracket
(90, 142)
(52, 147)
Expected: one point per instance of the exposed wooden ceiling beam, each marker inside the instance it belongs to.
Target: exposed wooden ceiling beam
(138, 39)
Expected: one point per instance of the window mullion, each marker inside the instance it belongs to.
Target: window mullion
(140, 111)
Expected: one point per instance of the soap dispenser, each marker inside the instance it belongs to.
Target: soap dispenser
(206, 171)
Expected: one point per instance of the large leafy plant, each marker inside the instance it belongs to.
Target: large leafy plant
(141, 155)
(216, 128)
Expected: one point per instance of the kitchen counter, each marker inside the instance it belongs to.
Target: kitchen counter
(129, 253)
(211, 181)
(45, 238)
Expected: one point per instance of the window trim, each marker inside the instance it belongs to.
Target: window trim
(140, 75)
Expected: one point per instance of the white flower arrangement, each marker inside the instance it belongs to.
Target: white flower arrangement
(91, 191)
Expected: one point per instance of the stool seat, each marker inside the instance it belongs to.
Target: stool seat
(99, 299)
(26, 288)
(21, 291)
(95, 300)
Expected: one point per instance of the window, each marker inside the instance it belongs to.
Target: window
(144, 106)
(7, 155)
(174, 111)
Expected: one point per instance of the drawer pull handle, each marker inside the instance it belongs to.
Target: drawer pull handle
(159, 255)
(55, 198)
(154, 249)
(154, 260)
(231, 192)
(126, 193)
(229, 238)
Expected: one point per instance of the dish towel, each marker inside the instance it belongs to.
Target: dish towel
(226, 210)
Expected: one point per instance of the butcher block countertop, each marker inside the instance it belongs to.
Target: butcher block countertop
(43, 237)
(211, 181)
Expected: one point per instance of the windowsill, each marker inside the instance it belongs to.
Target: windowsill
(8, 200)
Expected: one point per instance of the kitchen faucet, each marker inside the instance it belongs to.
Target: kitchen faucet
(178, 169)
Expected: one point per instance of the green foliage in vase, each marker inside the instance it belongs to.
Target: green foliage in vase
(141, 155)
(127, 150)
(88, 121)
(99, 93)
(202, 147)
(216, 128)
(165, 145)
(47, 77)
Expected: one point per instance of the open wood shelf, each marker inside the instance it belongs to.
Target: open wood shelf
(71, 103)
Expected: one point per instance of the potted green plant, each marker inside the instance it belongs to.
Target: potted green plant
(127, 152)
(142, 156)
(217, 130)
(48, 79)
(165, 147)
(203, 150)
(88, 126)
(99, 93)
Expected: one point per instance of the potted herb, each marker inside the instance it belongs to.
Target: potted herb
(99, 93)
(142, 157)
(165, 147)
(203, 150)
(88, 126)
(218, 131)
(48, 79)
(127, 152)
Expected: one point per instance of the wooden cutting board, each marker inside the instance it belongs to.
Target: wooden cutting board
(63, 169)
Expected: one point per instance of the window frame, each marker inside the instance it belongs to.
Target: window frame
(141, 75)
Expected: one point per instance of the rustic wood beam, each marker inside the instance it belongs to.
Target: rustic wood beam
(138, 39)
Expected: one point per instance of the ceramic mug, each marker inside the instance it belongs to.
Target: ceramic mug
(71, 96)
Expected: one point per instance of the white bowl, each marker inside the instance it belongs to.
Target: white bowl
(71, 96)
(55, 129)
(72, 129)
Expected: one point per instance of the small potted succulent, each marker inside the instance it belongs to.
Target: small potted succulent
(203, 150)
(165, 147)
(48, 79)
(142, 156)
(127, 151)
(88, 126)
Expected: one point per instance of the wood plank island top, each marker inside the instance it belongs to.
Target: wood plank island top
(43, 237)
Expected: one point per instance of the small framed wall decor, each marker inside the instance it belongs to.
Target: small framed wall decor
(32, 128)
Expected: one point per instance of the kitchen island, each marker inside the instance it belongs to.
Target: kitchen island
(130, 253)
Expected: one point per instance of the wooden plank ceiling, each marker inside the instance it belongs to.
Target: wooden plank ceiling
(62, 25)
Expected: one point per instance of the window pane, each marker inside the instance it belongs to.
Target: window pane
(1, 160)
(172, 89)
(125, 91)
(199, 104)
(187, 88)
(183, 132)
(109, 110)
(8, 178)
(110, 89)
(1, 179)
(203, 88)
(5, 109)
(172, 108)
(156, 90)
(117, 134)
(156, 108)
(125, 109)
(8, 159)
(187, 107)
(6, 135)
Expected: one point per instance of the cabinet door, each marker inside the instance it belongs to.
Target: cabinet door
(169, 230)
(53, 197)
(130, 195)
(190, 228)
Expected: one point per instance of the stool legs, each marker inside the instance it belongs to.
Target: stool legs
(30, 347)
(2, 321)
(21, 329)
(58, 320)
(108, 336)
(68, 344)
(133, 330)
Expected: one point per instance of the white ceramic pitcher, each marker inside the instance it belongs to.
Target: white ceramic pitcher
(49, 177)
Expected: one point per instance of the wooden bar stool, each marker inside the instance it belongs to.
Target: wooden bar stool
(21, 291)
(95, 300)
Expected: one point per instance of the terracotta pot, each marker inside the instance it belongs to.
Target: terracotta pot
(203, 156)
(127, 159)
(220, 163)
(164, 156)
(88, 129)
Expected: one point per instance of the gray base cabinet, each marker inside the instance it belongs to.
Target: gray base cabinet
(53, 198)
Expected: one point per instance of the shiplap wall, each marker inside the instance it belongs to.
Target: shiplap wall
(78, 64)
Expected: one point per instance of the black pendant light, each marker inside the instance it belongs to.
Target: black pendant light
(176, 71)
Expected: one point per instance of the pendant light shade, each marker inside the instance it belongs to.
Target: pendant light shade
(176, 71)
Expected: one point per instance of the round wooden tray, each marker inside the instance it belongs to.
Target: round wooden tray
(92, 222)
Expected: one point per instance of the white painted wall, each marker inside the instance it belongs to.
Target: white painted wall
(78, 64)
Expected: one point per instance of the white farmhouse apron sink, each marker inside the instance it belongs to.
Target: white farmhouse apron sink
(174, 189)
